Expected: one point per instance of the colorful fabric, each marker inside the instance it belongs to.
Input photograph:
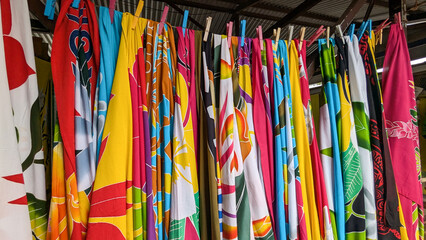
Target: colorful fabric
(402, 129)
(386, 194)
(352, 173)
(74, 75)
(362, 117)
(13, 200)
(329, 141)
(185, 194)
(208, 119)
(320, 189)
(160, 73)
(22, 79)
(303, 152)
(112, 188)
(259, 215)
(110, 34)
(262, 121)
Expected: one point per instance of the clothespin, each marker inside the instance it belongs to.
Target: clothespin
(137, 13)
(328, 37)
(361, 30)
(339, 30)
(111, 9)
(75, 3)
(383, 25)
(243, 31)
(316, 35)
(370, 27)
(302, 35)
(277, 37)
(290, 34)
(399, 20)
(229, 27)
(275, 33)
(206, 33)
(49, 10)
(163, 19)
(351, 31)
(185, 21)
(260, 36)
(381, 36)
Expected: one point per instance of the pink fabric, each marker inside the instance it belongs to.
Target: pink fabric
(401, 123)
(263, 126)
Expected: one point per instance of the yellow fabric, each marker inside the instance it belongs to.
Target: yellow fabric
(302, 148)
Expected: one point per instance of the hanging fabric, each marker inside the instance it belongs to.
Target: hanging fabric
(110, 34)
(24, 101)
(160, 73)
(208, 114)
(184, 192)
(362, 116)
(352, 173)
(402, 129)
(13, 200)
(302, 142)
(320, 190)
(387, 214)
(262, 121)
(329, 147)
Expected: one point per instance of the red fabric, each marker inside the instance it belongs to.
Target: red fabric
(63, 58)
(399, 104)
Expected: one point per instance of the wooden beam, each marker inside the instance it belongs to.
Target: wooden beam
(171, 4)
(274, 18)
(368, 12)
(244, 5)
(297, 12)
(36, 7)
(282, 9)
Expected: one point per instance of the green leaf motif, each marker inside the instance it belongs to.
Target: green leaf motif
(327, 151)
(361, 125)
(352, 175)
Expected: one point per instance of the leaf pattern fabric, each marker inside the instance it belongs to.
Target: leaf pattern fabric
(362, 116)
(352, 173)
(185, 193)
(402, 128)
(329, 147)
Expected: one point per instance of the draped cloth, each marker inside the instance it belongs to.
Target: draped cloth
(74, 75)
(399, 104)
(208, 117)
(160, 74)
(352, 173)
(320, 189)
(112, 189)
(362, 117)
(259, 216)
(185, 193)
(386, 194)
(19, 64)
(262, 121)
(13, 200)
(329, 141)
(303, 151)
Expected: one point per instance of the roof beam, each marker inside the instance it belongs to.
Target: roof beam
(368, 12)
(173, 5)
(308, 14)
(244, 5)
(297, 12)
(36, 7)
(274, 18)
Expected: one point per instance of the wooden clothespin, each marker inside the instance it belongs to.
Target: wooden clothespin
(339, 30)
(328, 37)
(302, 36)
(316, 35)
(229, 27)
(277, 37)
(399, 20)
(206, 32)
(137, 13)
(49, 10)
(381, 36)
(111, 9)
(351, 31)
(382, 25)
(275, 33)
(75, 3)
(163, 20)
(260, 36)
(185, 21)
(243, 31)
(290, 34)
